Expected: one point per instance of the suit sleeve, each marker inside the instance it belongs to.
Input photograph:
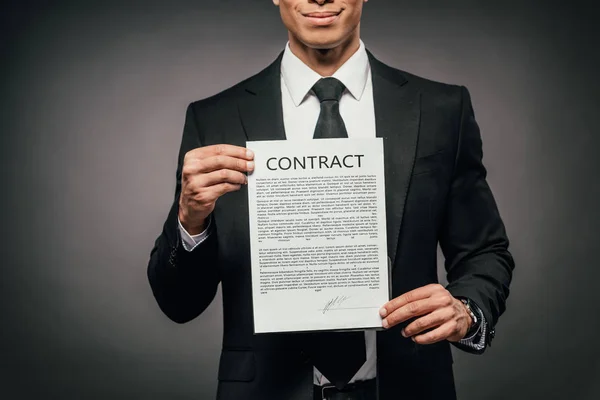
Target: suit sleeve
(183, 282)
(473, 238)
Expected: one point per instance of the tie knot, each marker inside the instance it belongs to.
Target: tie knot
(328, 89)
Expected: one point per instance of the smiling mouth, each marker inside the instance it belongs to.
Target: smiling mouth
(322, 18)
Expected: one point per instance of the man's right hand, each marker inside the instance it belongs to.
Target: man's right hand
(207, 174)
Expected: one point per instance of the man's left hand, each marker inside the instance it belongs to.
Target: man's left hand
(443, 316)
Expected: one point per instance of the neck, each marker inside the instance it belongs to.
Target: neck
(325, 61)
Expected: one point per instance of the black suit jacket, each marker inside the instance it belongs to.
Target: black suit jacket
(435, 192)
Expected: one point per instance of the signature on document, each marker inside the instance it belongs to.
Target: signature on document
(334, 303)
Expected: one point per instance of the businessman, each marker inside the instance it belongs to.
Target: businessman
(326, 84)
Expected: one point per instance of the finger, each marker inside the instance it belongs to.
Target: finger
(442, 332)
(223, 188)
(413, 309)
(432, 320)
(206, 197)
(220, 176)
(228, 150)
(408, 297)
(215, 163)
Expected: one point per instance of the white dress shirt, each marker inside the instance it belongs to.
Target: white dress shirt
(301, 110)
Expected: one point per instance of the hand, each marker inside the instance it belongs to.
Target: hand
(445, 316)
(207, 174)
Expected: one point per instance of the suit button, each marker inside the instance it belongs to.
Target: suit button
(491, 336)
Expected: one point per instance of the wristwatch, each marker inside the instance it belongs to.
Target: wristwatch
(476, 321)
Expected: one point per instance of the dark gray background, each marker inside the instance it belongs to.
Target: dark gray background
(92, 106)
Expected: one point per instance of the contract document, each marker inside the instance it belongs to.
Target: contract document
(318, 234)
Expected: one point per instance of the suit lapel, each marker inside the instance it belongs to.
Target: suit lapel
(260, 106)
(397, 119)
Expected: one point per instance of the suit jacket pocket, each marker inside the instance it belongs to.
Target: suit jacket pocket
(429, 162)
(237, 366)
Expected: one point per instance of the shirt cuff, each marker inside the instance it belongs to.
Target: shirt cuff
(190, 242)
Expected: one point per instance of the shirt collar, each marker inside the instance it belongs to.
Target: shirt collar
(299, 78)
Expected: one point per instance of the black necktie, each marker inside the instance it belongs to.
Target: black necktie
(330, 123)
(337, 355)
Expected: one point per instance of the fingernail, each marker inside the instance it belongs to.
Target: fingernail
(403, 333)
(385, 323)
(382, 312)
(249, 153)
(250, 165)
(245, 180)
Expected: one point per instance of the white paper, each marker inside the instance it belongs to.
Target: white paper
(318, 234)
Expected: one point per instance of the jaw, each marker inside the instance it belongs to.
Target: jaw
(325, 39)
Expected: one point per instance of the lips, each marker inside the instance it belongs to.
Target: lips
(322, 18)
(322, 14)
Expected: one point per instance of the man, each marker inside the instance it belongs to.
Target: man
(435, 193)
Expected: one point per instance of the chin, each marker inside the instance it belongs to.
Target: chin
(322, 41)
